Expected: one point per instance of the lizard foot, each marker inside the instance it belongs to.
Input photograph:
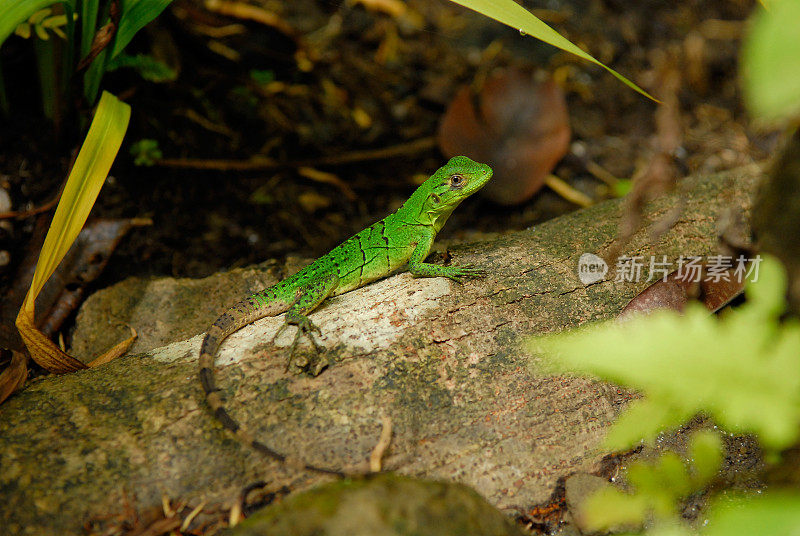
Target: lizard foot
(307, 362)
(458, 273)
(312, 363)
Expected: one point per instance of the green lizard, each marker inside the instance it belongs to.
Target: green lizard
(403, 238)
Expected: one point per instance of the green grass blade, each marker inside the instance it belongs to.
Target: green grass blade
(94, 76)
(68, 51)
(48, 83)
(83, 185)
(512, 14)
(135, 16)
(89, 10)
(97, 69)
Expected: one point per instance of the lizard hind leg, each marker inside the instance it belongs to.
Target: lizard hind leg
(309, 296)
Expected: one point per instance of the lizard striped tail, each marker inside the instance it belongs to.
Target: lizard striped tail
(233, 319)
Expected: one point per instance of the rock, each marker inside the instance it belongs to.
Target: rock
(387, 504)
(578, 488)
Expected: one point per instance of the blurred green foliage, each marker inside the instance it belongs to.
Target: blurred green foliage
(658, 486)
(771, 62)
(145, 152)
(742, 369)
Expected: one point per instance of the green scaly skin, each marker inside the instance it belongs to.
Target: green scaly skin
(402, 239)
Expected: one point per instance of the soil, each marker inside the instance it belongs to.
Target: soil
(395, 76)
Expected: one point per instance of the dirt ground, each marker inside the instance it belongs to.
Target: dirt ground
(322, 88)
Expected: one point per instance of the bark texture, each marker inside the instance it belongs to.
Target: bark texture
(443, 361)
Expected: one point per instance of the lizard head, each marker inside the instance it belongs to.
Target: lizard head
(458, 179)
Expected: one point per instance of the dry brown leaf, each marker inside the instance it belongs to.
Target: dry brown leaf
(14, 375)
(393, 8)
(115, 351)
(516, 123)
(43, 350)
(243, 11)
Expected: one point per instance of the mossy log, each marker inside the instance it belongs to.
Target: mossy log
(443, 361)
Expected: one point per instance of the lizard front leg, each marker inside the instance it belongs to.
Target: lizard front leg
(419, 268)
(310, 295)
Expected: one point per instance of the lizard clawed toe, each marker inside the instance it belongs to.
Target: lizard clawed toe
(304, 327)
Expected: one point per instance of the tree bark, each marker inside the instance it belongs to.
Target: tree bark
(443, 361)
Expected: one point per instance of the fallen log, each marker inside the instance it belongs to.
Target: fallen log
(443, 361)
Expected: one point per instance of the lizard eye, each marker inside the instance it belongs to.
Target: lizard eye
(456, 181)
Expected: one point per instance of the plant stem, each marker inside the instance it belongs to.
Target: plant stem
(48, 83)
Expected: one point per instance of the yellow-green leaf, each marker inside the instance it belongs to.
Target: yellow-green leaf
(87, 176)
(706, 452)
(23, 30)
(80, 191)
(512, 14)
(41, 32)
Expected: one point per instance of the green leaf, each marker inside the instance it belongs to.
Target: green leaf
(771, 62)
(94, 76)
(667, 477)
(145, 152)
(89, 12)
(742, 369)
(48, 84)
(512, 14)
(657, 485)
(262, 77)
(643, 420)
(774, 513)
(136, 15)
(148, 67)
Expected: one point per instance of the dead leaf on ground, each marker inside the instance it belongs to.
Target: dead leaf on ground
(676, 289)
(516, 123)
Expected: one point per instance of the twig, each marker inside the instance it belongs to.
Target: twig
(601, 173)
(32, 212)
(376, 457)
(568, 192)
(327, 178)
(191, 516)
(259, 163)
